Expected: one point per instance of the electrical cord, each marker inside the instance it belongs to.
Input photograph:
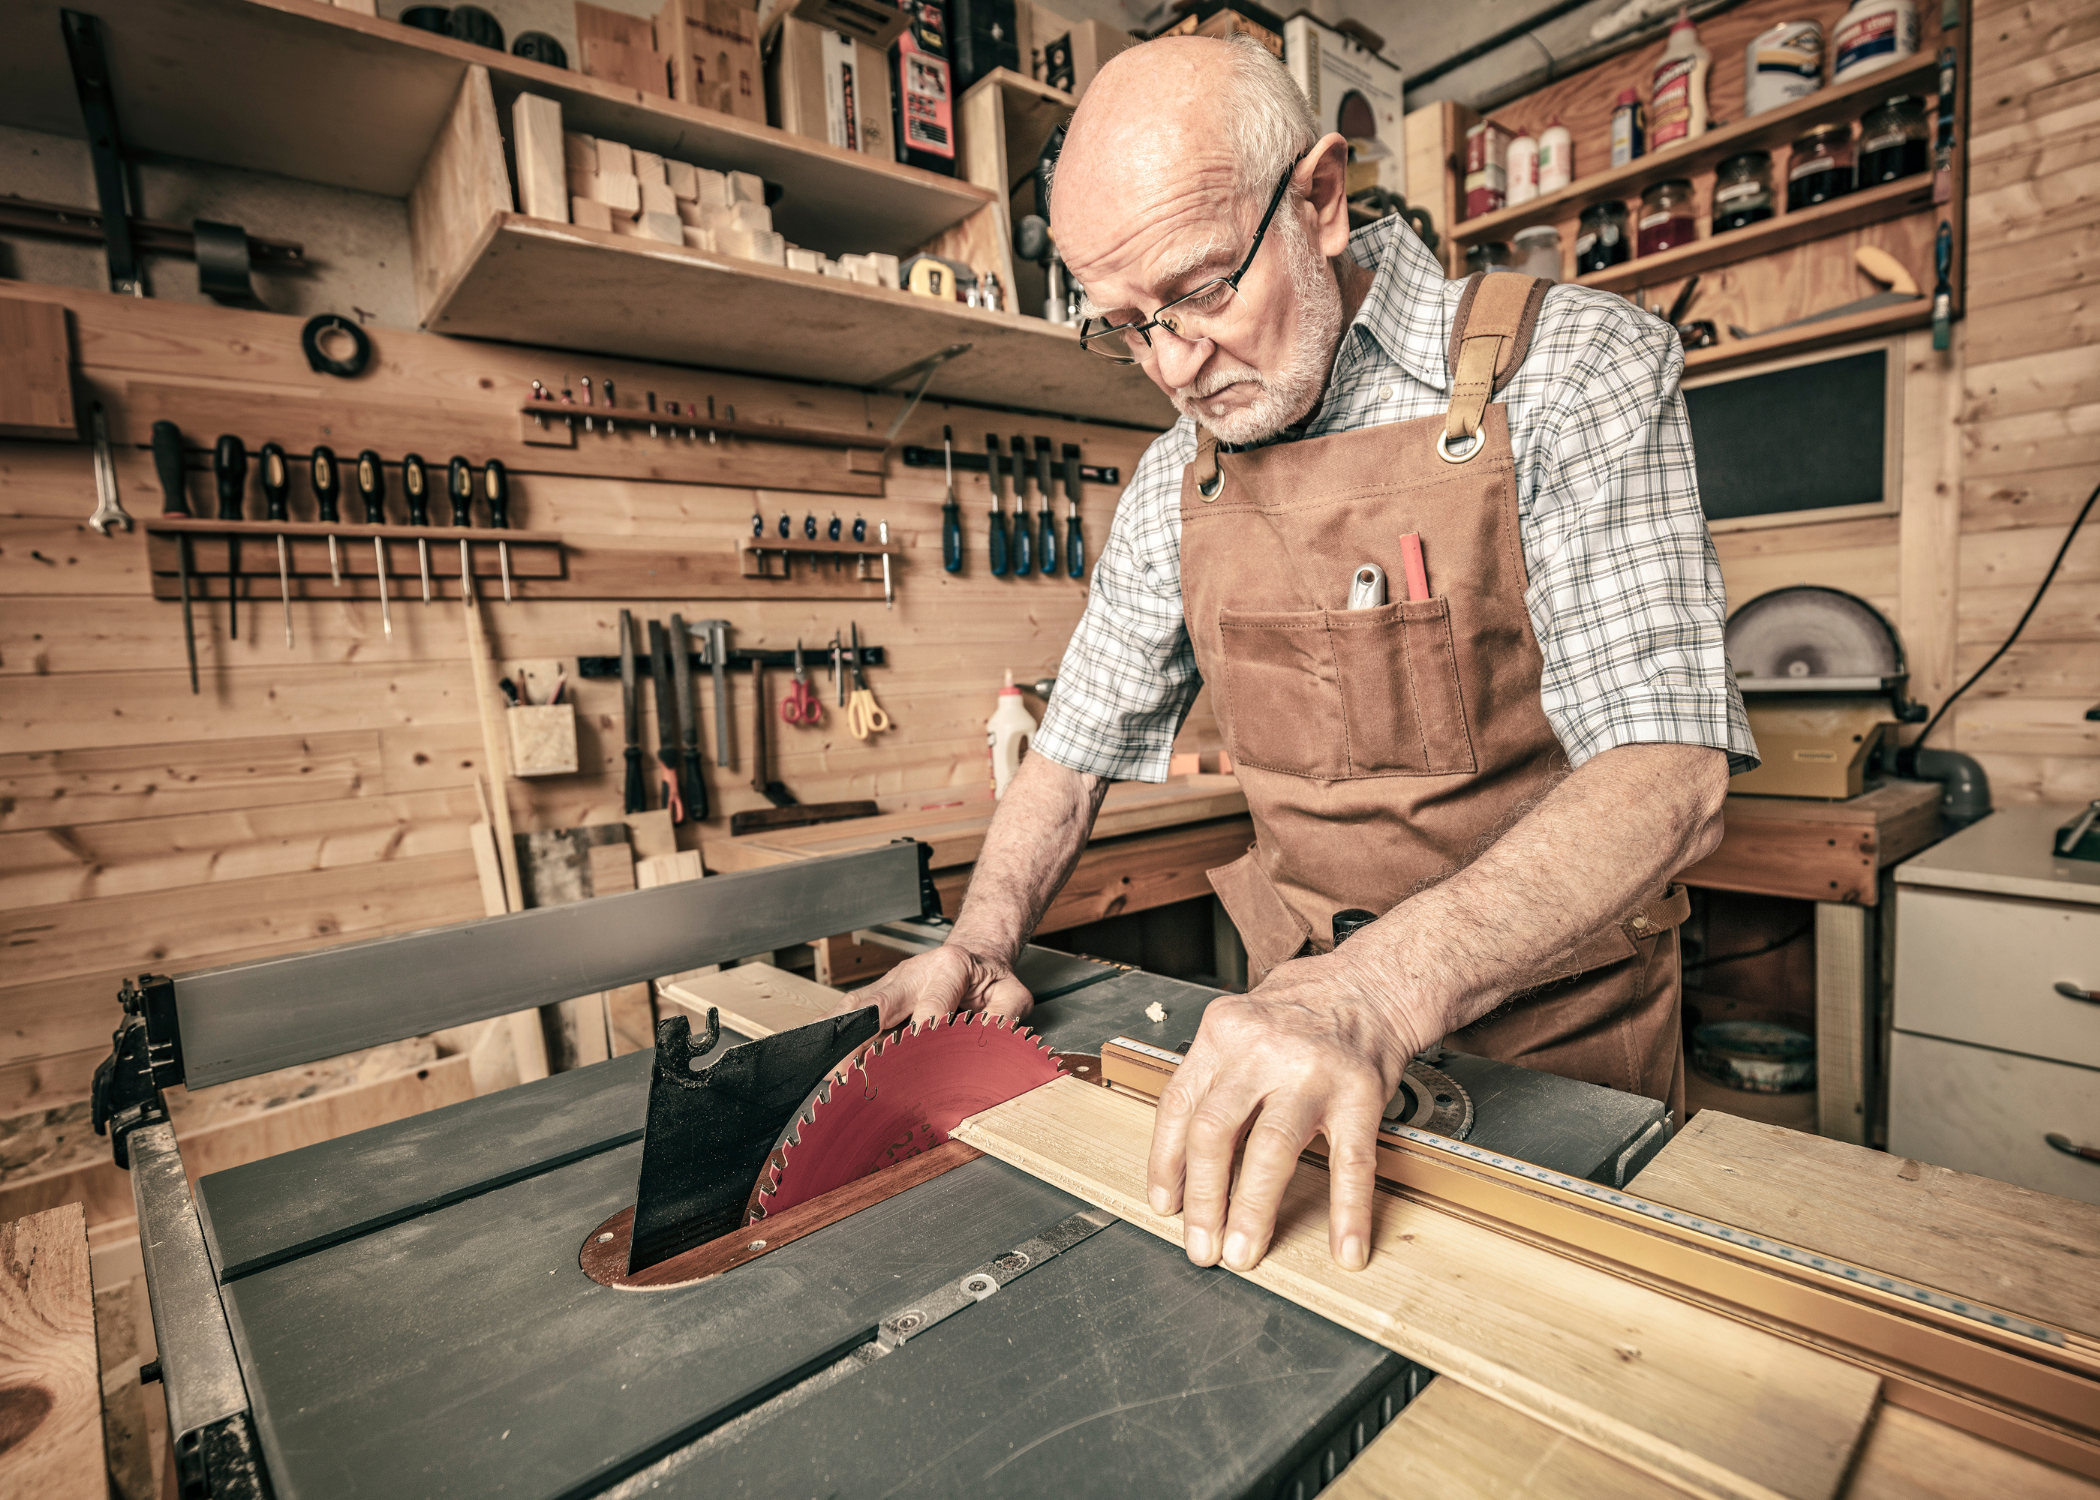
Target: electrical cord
(2026, 615)
(1772, 947)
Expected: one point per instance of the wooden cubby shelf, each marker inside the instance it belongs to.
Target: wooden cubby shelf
(1773, 130)
(534, 282)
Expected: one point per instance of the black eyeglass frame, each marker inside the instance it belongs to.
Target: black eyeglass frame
(1089, 336)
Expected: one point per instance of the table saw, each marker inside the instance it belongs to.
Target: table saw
(404, 1311)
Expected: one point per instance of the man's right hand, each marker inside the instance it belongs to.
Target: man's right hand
(936, 984)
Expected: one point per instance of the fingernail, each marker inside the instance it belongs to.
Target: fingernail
(1238, 1252)
(1199, 1246)
(1354, 1256)
(1160, 1201)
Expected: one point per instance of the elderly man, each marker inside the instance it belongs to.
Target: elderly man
(1507, 769)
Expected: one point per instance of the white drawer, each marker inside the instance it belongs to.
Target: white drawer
(1985, 968)
(1974, 1110)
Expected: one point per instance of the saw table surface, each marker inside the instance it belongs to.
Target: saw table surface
(411, 1317)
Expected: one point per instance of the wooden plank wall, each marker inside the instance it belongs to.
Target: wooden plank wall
(324, 793)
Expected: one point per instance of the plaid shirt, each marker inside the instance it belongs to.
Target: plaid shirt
(1625, 593)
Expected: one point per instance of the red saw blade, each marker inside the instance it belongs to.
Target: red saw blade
(900, 1097)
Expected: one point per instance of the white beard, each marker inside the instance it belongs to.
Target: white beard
(1288, 393)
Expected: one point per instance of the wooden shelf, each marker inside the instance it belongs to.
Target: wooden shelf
(1859, 327)
(1892, 200)
(528, 281)
(1772, 130)
(327, 95)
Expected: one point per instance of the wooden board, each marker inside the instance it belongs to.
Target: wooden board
(1711, 1405)
(51, 1409)
(1819, 851)
(753, 999)
(2024, 1251)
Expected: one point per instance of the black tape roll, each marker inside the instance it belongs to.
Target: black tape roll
(310, 341)
(537, 46)
(470, 23)
(426, 17)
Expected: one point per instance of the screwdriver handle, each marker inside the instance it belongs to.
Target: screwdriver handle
(1048, 554)
(327, 482)
(951, 535)
(996, 542)
(495, 481)
(167, 463)
(229, 466)
(1075, 546)
(459, 485)
(276, 483)
(1042, 468)
(371, 486)
(1024, 543)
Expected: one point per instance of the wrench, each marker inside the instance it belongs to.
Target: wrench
(109, 511)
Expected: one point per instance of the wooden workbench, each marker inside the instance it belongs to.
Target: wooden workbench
(1831, 853)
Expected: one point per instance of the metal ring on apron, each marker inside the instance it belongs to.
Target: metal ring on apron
(1443, 448)
(1217, 483)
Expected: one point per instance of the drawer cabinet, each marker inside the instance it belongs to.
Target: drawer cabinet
(1984, 969)
(1989, 1113)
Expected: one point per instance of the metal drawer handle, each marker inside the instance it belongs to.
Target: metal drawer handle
(2070, 991)
(2070, 1147)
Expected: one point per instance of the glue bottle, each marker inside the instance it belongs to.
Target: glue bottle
(1007, 735)
(1677, 100)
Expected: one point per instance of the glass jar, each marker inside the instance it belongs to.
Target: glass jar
(1488, 255)
(1742, 191)
(1820, 168)
(1894, 140)
(1602, 240)
(1667, 221)
(1538, 252)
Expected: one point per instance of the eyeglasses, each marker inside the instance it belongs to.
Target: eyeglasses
(1131, 343)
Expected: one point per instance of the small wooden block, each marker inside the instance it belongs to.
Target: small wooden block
(36, 379)
(698, 239)
(589, 213)
(612, 868)
(747, 187)
(799, 259)
(663, 227)
(657, 197)
(542, 739)
(652, 834)
(536, 135)
(668, 869)
(683, 179)
(649, 167)
(710, 188)
(579, 154)
(886, 269)
(754, 1000)
(621, 191)
(615, 156)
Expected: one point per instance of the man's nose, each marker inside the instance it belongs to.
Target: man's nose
(1176, 361)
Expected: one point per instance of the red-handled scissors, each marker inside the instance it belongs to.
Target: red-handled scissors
(801, 705)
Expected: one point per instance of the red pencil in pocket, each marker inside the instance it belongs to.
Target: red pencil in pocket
(1417, 574)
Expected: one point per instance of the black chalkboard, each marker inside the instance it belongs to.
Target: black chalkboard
(1805, 438)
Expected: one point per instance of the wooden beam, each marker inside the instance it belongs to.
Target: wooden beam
(52, 1443)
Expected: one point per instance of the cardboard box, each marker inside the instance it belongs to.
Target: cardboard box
(1354, 91)
(1094, 43)
(620, 48)
(1227, 23)
(872, 23)
(713, 50)
(830, 88)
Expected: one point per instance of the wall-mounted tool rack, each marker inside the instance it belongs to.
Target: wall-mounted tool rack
(916, 457)
(559, 424)
(534, 555)
(775, 557)
(814, 659)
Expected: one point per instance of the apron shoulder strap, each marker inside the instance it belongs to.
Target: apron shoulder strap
(1490, 335)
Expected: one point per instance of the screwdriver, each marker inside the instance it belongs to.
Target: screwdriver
(418, 515)
(1044, 486)
(459, 485)
(371, 488)
(951, 509)
(276, 488)
(497, 480)
(1023, 550)
(328, 483)
(998, 537)
(1075, 539)
(1046, 559)
(174, 485)
(1020, 450)
(229, 466)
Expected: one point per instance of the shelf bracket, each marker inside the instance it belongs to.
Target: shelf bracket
(98, 109)
(924, 370)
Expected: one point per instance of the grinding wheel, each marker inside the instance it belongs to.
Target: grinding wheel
(1803, 635)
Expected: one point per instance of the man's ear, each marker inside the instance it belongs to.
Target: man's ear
(1328, 190)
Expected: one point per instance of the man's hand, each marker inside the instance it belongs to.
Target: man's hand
(948, 979)
(1308, 1053)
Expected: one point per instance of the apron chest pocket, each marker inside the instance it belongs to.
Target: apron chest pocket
(1336, 694)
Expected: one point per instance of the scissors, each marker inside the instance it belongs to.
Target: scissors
(863, 717)
(801, 705)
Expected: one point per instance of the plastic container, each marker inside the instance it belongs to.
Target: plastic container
(1603, 240)
(1487, 168)
(1556, 158)
(1523, 168)
(1782, 65)
(1538, 252)
(1668, 217)
(1873, 34)
(1629, 128)
(1894, 141)
(1677, 88)
(1007, 736)
(1488, 255)
(1820, 167)
(1743, 191)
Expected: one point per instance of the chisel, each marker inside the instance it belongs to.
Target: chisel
(998, 536)
(1022, 553)
(328, 483)
(371, 488)
(688, 721)
(496, 480)
(418, 497)
(666, 720)
(637, 796)
(174, 487)
(459, 487)
(1040, 479)
(1045, 484)
(1046, 557)
(1075, 539)
(718, 659)
(229, 467)
(277, 488)
(951, 510)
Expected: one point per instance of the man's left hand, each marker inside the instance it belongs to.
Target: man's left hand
(1306, 1054)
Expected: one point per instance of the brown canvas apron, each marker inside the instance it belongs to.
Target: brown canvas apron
(1382, 749)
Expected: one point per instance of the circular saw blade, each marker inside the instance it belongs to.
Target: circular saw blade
(899, 1097)
(1806, 632)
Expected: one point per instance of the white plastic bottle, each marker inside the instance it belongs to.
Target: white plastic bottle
(1556, 158)
(1873, 34)
(1677, 98)
(1007, 736)
(1523, 170)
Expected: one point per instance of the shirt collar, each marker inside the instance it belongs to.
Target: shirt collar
(1407, 313)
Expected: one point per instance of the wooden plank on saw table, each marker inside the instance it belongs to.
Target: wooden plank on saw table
(754, 1000)
(2026, 1252)
(51, 1410)
(1911, 1457)
(1714, 1406)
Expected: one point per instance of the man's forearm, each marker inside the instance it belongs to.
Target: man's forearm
(1036, 837)
(1604, 840)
